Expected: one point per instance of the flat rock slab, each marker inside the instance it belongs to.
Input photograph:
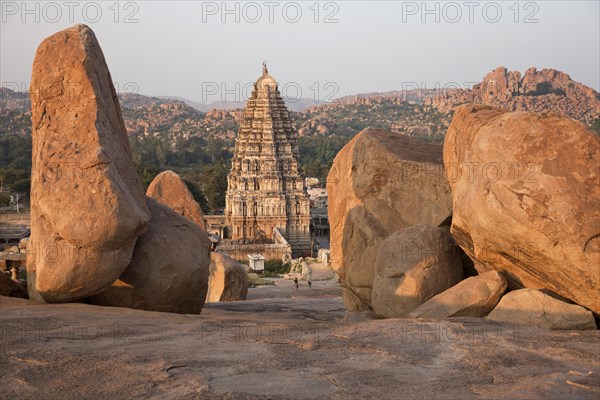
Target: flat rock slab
(283, 349)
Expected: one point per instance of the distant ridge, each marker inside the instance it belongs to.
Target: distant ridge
(293, 104)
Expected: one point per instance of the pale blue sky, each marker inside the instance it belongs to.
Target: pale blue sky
(176, 49)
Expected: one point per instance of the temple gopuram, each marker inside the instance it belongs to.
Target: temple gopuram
(266, 200)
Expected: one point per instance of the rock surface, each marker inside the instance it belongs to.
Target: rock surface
(534, 307)
(169, 269)
(87, 205)
(169, 189)
(228, 279)
(304, 348)
(413, 265)
(380, 182)
(474, 297)
(526, 199)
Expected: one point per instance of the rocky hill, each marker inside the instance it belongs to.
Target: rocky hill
(422, 113)
(171, 120)
(293, 104)
(547, 90)
(347, 118)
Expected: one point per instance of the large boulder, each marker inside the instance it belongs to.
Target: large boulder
(228, 279)
(169, 189)
(87, 204)
(526, 199)
(474, 297)
(533, 307)
(380, 182)
(413, 265)
(169, 270)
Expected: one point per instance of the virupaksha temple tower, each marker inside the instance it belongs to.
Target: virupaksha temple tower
(265, 191)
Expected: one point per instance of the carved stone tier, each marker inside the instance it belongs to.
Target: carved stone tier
(265, 190)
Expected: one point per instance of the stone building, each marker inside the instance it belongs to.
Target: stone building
(265, 191)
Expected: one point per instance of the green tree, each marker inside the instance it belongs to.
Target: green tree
(4, 199)
(595, 125)
(313, 168)
(214, 184)
(197, 193)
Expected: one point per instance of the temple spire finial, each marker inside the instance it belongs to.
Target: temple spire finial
(265, 70)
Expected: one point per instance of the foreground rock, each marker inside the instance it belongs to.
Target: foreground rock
(533, 307)
(526, 199)
(305, 349)
(474, 297)
(228, 279)
(413, 265)
(380, 182)
(169, 189)
(169, 269)
(87, 205)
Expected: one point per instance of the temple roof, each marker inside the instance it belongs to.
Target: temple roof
(266, 80)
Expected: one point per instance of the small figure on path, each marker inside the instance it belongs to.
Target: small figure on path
(296, 282)
(309, 281)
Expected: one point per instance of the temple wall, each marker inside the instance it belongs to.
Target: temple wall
(271, 251)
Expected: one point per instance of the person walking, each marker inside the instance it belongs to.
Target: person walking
(309, 281)
(296, 282)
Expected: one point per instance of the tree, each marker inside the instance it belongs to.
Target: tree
(595, 125)
(4, 199)
(313, 168)
(162, 151)
(197, 193)
(214, 184)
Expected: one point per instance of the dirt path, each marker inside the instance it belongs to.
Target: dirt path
(284, 289)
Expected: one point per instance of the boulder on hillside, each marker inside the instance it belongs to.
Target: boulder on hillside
(87, 204)
(169, 269)
(526, 199)
(413, 265)
(474, 297)
(534, 307)
(169, 189)
(380, 182)
(228, 279)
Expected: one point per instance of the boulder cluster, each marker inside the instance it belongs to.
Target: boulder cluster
(510, 202)
(545, 90)
(95, 235)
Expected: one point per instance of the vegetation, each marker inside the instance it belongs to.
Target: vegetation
(595, 125)
(202, 164)
(274, 268)
(15, 167)
(4, 199)
(349, 119)
(317, 154)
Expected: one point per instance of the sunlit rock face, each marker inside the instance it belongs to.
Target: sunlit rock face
(380, 182)
(526, 199)
(87, 204)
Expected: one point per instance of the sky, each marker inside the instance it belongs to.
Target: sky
(209, 51)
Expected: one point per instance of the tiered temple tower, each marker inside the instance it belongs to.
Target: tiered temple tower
(265, 190)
